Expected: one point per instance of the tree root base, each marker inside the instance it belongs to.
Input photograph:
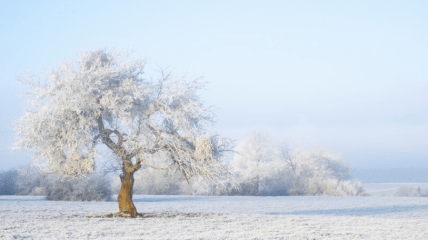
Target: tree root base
(117, 215)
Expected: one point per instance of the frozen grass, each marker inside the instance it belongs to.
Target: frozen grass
(198, 217)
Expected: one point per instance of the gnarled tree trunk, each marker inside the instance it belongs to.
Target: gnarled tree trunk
(125, 195)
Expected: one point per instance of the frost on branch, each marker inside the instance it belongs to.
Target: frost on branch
(104, 99)
(202, 148)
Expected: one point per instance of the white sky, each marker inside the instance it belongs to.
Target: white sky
(351, 77)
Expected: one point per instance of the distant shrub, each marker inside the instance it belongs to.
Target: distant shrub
(8, 182)
(351, 188)
(95, 187)
(410, 192)
(30, 181)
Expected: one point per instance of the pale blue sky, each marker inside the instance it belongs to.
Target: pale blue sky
(347, 76)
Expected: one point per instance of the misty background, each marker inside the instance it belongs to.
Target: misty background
(347, 76)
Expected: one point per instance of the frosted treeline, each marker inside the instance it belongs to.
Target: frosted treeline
(95, 187)
(31, 181)
(259, 166)
(267, 168)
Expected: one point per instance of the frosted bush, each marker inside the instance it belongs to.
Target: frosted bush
(333, 187)
(96, 187)
(275, 185)
(30, 181)
(351, 188)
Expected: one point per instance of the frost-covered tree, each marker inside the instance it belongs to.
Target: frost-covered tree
(253, 161)
(104, 99)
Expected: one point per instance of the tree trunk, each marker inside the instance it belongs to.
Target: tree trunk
(125, 195)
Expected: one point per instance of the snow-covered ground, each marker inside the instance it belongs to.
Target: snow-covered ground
(197, 217)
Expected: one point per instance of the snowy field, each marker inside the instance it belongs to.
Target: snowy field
(197, 217)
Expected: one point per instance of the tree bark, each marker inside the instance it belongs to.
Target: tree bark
(124, 198)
